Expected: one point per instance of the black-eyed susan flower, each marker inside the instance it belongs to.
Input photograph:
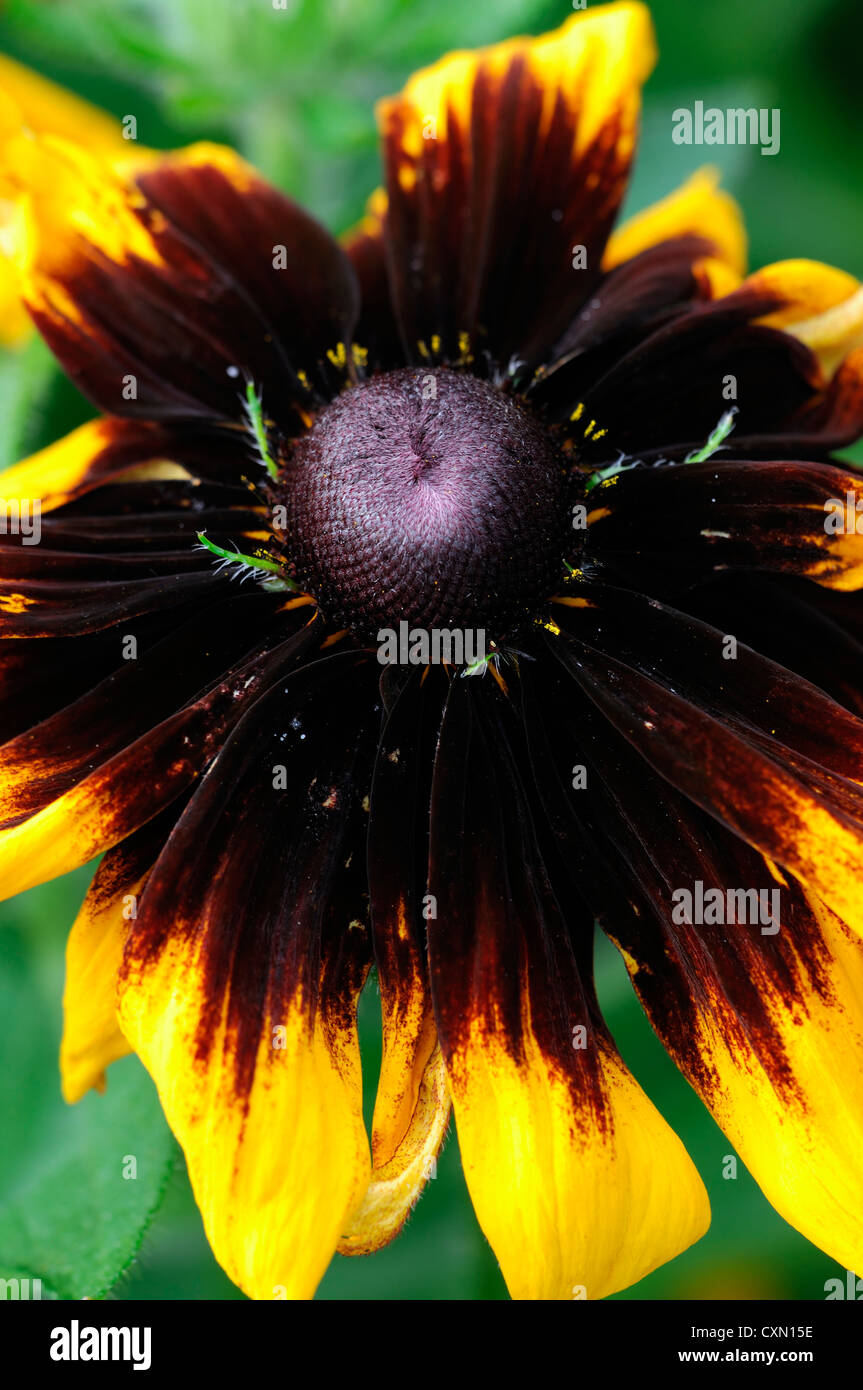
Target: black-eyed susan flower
(487, 411)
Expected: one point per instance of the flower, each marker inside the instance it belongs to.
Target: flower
(604, 449)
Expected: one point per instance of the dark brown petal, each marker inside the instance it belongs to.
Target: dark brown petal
(184, 286)
(815, 632)
(377, 330)
(398, 860)
(683, 523)
(665, 396)
(108, 804)
(167, 675)
(47, 608)
(121, 451)
(715, 749)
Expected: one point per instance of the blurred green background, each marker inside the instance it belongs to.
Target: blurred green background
(294, 89)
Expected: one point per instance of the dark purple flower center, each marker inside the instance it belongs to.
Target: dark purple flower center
(426, 496)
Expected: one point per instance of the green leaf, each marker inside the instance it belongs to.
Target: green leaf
(78, 1184)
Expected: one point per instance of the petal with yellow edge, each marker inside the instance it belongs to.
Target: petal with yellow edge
(111, 450)
(92, 1037)
(139, 781)
(396, 1185)
(241, 976)
(31, 101)
(796, 811)
(632, 301)
(772, 1037)
(169, 675)
(500, 164)
(578, 1183)
(698, 208)
(689, 523)
(164, 290)
(821, 306)
(771, 378)
(42, 105)
(396, 860)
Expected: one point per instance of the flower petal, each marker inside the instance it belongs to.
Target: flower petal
(397, 851)
(365, 246)
(698, 208)
(577, 1181)
(111, 450)
(673, 380)
(412, 1105)
(42, 105)
(92, 1037)
(499, 164)
(687, 521)
(172, 673)
(785, 788)
(630, 303)
(684, 370)
(396, 1185)
(31, 101)
(140, 780)
(794, 623)
(163, 295)
(241, 976)
(31, 608)
(822, 307)
(767, 1026)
